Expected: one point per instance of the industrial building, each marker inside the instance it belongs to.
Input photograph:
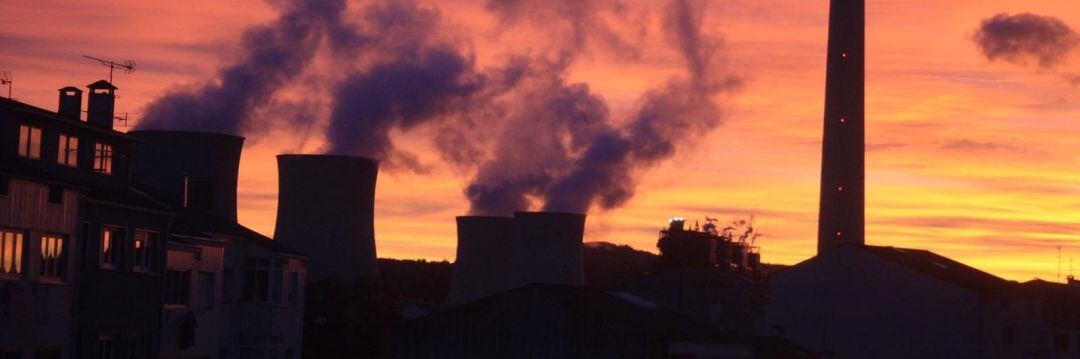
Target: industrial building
(563, 321)
(709, 246)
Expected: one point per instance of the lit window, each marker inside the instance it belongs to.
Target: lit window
(841, 188)
(29, 142)
(103, 155)
(145, 248)
(838, 234)
(11, 253)
(53, 263)
(843, 55)
(68, 153)
(843, 119)
(112, 239)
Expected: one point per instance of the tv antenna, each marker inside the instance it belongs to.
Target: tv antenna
(127, 66)
(6, 79)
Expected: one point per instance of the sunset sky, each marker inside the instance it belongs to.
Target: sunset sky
(971, 158)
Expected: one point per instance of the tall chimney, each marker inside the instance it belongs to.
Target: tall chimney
(326, 209)
(100, 108)
(485, 261)
(190, 169)
(841, 212)
(70, 103)
(549, 248)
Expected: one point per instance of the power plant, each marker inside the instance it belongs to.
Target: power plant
(326, 208)
(501, 253)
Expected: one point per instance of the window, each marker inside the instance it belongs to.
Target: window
(177, 287)
(56, 194)
(206, 290)
(294, 288)
(11, 253)
(30, 142)
(68, 153)
(1061, 342)
(1009, 336)
(145, 247)
(112, 243)
(10, 354)
(262, 279)
(108, 347)
(199, 193)
(103, 155)
(53, 258)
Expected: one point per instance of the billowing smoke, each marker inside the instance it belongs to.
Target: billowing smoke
(416, 76)
(271, 55)
(577, 159)
(531, 136)
(1022, 38)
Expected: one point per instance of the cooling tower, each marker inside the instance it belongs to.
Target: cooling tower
(190, 169)
(326, 209)
(485, 258)
(549, 247)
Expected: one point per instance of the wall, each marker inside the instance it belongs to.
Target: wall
(35, 311)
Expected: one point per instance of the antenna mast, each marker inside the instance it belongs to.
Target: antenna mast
(127, 66)
(6, 79)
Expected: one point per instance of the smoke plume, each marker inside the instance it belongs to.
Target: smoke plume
(575, 160)
(270, 55)
(1024, 37)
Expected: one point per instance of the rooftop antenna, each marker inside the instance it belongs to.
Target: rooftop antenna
(122, 119)
(127, 66)
(6, 79)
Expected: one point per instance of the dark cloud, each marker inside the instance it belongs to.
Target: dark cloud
(1024, 37)
(271, 56)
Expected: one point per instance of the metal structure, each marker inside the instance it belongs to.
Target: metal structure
(127, 66)
(485, 258)
(326, 209)
(841, 214)
(190, 169)
(6, 79)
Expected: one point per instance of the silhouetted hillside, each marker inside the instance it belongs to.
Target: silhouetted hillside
(608, 265)
(416, 281)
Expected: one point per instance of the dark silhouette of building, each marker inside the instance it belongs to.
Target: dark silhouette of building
(229, 291)
(485, 256)
(840, 217)
(707, 246)
(562, 321)
(83, 253)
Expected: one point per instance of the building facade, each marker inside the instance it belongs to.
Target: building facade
(82, 251)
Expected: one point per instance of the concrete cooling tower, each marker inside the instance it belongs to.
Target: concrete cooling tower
(549, 247)
(326, 209)
(190, 169)
(485, 258)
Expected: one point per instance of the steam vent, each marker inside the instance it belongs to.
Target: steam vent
(326, 209)
(841, 214)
